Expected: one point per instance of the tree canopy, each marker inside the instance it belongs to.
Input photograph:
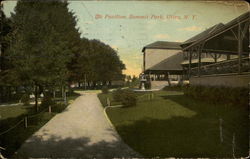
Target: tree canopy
(44, 48)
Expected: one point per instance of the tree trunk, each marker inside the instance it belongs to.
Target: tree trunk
(62, 92)
(36, 98)
(54, 94)
(1, 94)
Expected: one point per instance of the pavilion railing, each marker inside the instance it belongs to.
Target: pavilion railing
(223, 67)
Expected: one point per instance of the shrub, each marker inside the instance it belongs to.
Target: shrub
(126, 97)
(218, 95)
(25, 99)
(58, 108)
(47, 101)
(174, 88)
(117, 95)
(105, 89)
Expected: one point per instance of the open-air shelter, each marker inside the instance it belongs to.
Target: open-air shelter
(230, 39)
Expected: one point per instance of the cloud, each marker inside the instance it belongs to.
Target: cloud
(191, 28)
(161, 36)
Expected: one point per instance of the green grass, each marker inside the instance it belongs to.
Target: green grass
(13, 111)
(103, 99)
(12, 114)
(173, 125)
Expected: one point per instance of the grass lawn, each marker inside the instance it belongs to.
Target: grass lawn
(173, 125)
(12, 111)
(12, 114)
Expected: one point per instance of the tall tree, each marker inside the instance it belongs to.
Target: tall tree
(43, 43)
(5, 29)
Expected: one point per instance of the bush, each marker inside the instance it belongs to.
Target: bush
(105, 89)
(47, 101)
(126, 97)
(218, 95)
(58, 108)
(117, 95)
(25, 99)
(174, 88)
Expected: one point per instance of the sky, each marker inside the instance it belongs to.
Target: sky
(128, 26)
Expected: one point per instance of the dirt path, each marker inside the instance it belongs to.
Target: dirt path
(81, 131)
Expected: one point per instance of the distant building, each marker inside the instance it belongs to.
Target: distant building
(162, 62)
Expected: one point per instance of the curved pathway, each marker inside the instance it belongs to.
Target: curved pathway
(81, 131)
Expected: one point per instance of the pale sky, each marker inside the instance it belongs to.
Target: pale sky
(179, 21)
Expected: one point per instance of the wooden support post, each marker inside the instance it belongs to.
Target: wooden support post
(221, 133)
(85, 82)
(108, 102)
(26, 122)
(199, 61)
(239, 48)
(65, 97)
(49, 109)
(190, 62)
(233, 145)
(199, 56)
(36, 98)
(169, 82)
(62, 92)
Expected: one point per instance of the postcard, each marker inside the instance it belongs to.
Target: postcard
(124, 79)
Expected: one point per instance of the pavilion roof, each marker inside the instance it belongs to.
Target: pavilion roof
(223, 40)
(202, 34)
(170, 64)
(163, 45)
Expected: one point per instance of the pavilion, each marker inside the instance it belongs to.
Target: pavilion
(162, 62)
(230, 41)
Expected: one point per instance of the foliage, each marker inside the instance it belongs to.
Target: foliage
(95, 62)
(44, 37)
(105, 89)
(174, 88)
(127, 97)
(219, 95)
(132, 82)
(25, 99)
(117, 94)
(46, 102)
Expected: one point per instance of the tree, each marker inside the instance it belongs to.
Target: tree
(96, 63)
(5, 29)
(43, 43)
(106, 64)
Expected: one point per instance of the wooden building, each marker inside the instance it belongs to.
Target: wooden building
(162, 62)
(230, 41)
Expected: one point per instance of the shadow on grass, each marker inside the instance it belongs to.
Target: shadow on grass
(197, 136)
(51, 146)
(13, 139)
(178, 137)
